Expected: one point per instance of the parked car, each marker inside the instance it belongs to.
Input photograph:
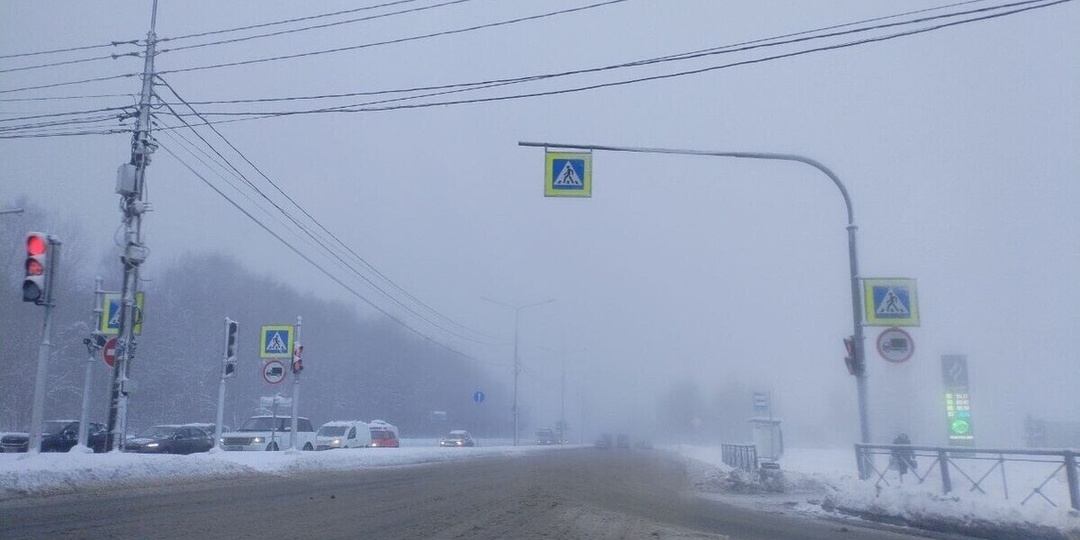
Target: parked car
(269, 433)
(458, 438)
(343, 434)
(546, 436)
(384, 435)
(208, 427)
(56, 436)
(170, 439)
(604, 442)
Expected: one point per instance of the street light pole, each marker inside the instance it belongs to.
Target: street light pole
(517, 360)
(853, 260)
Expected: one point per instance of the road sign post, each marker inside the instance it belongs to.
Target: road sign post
(108, 352)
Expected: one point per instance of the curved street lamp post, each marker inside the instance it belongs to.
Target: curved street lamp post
(853, 261)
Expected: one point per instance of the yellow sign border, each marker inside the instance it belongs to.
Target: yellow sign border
(871, 310)
(288, 329)
(549, 169)
(105, 315)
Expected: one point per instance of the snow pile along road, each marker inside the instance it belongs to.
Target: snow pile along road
(824, 482)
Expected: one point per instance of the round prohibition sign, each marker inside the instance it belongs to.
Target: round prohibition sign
(274, 372)
(895, 345)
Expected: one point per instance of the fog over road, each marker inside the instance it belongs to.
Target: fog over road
(564, 494)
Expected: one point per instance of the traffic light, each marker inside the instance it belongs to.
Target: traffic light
(35, 286)
(853, 366)
(298, 359)
(231, 329)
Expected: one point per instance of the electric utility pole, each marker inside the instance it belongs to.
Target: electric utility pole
(130, 180)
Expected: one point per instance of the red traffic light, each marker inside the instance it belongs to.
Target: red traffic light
(36, 244)
(34, 268)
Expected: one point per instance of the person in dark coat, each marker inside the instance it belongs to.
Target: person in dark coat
(903, 459)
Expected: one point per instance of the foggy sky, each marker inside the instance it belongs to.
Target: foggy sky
(958, 148)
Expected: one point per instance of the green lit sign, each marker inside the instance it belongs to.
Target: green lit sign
(957, 400)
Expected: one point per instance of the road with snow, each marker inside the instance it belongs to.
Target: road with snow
(571, 494)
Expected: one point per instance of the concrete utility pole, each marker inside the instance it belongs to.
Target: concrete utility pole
(130, 182)
(853, 260)
(517, 358)
(94, 344)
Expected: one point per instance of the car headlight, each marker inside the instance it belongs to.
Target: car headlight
(256, 440)
(153, 445)
(335, 442)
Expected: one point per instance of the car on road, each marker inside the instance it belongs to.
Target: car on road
(457, 438)
(56, 436)
(384, 435)
(546, 437)
(266, 432)
(343, 434)
(604, 442)
(170, 439)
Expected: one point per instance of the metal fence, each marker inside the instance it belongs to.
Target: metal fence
(1047, 475)
(740, 456)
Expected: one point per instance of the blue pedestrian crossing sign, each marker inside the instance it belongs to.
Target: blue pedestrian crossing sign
(276, 341)
(891, 302)
(110, 316)
(568, 174)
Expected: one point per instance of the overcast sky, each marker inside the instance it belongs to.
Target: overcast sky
(959, 148)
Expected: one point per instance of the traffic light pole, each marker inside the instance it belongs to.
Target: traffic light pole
(853, 260)
(94, 344)
(135, 251)
(295, 386)
(37, 412)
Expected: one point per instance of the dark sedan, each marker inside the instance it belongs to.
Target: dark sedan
(170, 440)
(56, 436)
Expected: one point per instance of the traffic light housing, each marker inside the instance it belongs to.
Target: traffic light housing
(232, 328)
(35, 285)
(853, 366)
(298, 359)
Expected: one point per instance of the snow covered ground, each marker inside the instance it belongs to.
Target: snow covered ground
(825, 482)
(816, 482)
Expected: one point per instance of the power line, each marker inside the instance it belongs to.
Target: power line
(68, 113)
(72, 49)
(319, 267)
(323, 228)
(393, 41)
(69, 83)
(62, 98)
(69, 62)
(367, 107)
(317, 27)
(287, 21)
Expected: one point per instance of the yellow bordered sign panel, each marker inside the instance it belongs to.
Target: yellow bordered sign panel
(567, 174)
(110, 320)
(891, 302)
(276, 341)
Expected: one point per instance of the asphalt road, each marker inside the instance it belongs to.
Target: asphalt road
(563, 494)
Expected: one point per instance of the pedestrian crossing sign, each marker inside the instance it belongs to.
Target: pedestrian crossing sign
(891, 302)
(568, 174)
(110, 316)
(276, 341)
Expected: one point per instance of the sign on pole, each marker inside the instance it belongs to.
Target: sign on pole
(274, 371)
(108, 352)
(478, 397)
(110, 321)
(891, 302)
(567, 174)
(276, 341)
(761, 401)
(954, 374)
(895, 345)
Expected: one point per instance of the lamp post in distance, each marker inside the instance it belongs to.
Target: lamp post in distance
(517, 364)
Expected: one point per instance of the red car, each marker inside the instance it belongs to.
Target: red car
(384, 437)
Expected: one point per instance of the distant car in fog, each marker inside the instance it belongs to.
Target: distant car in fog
(384, 435)
(170, 439)
(604, 442)
(56, 436)
(546, 436)
(458, 438)
(343, 434)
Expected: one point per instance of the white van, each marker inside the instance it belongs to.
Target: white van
(343, 434)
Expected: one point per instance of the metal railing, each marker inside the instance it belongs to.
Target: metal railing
(740, 456)
(1039, 473)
